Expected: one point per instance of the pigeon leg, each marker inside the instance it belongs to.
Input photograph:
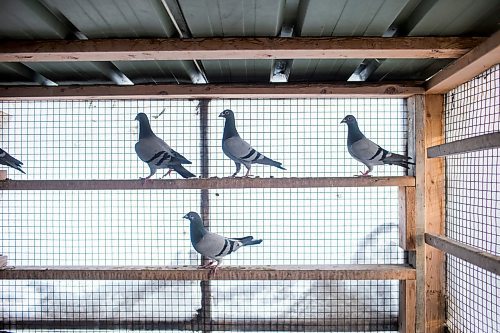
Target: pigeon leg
(248, 173)
(207, 265)
(238, 168)
(213, 270)
(167, 174)
(365, 174)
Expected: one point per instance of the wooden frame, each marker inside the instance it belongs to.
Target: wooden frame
(468, 253)
(407, 302)
(206, 183)
(236, 48)
(315, 272)
(199, 91)
(430, 302)
(481, 142)
(198, 324)
(465, 68)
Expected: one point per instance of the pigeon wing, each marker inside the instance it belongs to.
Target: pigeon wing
(367, 152)
(239, 150)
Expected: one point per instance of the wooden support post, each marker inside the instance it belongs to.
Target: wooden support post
(205, 313)
(407, 218)
(430, 304)
(407, 306)
(3, 175)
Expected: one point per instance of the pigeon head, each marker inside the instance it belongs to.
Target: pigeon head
(142, 117)
(145, 130)
(227, 114)
(349, 120)
(192, 216)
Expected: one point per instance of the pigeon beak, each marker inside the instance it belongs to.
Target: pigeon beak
(185, 216)
(343, 121)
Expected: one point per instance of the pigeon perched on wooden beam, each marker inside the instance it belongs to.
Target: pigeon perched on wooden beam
(214, 246)
(368, 152)
(156, 153)
(239, 150)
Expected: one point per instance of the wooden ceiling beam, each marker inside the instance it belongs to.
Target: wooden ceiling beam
(467, 67)
(198, 91)
(236, 48)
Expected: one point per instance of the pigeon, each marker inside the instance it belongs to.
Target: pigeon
(367, 151)
(214, 246)
(239, 150)
(156, 153)
(8, 160)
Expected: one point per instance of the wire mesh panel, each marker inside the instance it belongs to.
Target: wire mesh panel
(94, 140)
(306, 134)
(473, 203)
(311, 306)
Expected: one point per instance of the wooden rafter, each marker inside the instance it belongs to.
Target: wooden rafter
(198, 91)
(465, 68)
(236, 48)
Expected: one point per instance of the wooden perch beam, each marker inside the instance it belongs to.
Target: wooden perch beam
(236, 48)
(481, 142)
(318, 272)
(200, 91)
(342, 324)
(205, 183)
(483, 259)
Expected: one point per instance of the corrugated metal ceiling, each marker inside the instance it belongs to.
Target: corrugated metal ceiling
(70, 19)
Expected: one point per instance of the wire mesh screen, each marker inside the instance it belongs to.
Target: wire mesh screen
(473, 203)
(310, 306)
(86, 140)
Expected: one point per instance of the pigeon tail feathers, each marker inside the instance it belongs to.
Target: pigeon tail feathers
(268, 161)
(397, 159)
(182, 171)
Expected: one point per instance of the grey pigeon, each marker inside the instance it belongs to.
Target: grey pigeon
(239, 150)
(368, 152)
(211, 245)
(10, 161)
(156, 153)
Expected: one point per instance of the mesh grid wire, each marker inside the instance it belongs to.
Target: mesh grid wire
(473, 203)
(254, 305)
(95, 140)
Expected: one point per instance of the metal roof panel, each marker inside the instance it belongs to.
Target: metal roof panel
(347, 17)
(117, 18)
(70, 72)
(238, 70)
(308, 70)
(224, 18)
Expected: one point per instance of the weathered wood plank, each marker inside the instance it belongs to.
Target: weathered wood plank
(407, 306)
(236, 48)
(406, 197)
(201, 91)
(468, 253)
(429, 215)
(284, 272)
(387, 323)
(467, 67)
(481, 142)
(205, 183)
